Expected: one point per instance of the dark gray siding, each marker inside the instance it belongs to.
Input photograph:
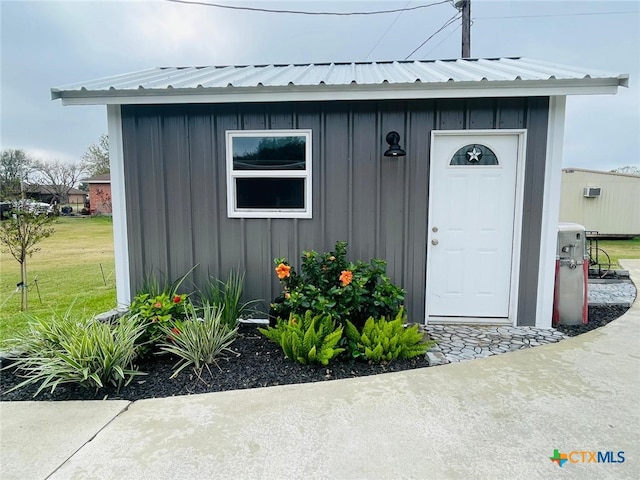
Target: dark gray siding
(176, 188)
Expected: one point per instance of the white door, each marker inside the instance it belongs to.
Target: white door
(472, 208)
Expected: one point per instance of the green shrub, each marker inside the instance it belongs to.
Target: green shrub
(328, 284)
(153, 312)
(63, 349)
(229, 296)
(386, 340)
(198, 340)
(307, 338)
(155, 304)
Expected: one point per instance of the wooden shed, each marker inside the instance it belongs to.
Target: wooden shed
(606, 202)
(466, 219)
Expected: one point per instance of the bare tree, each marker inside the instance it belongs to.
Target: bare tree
(20, 233)
(59, 177)
(15, 168)
(96, 158)
(105, 200)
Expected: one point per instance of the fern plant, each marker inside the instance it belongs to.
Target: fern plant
(307, 338)
(386, 340)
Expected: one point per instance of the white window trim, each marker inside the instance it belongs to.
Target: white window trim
(306, 174)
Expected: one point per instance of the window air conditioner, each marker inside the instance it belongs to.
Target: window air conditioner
(591, 192)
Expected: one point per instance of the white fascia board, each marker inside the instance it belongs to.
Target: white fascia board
(119, 207)
(531, 88)
(550, 211)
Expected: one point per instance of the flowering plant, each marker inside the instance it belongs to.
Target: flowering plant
(329, 284)
(157, 310)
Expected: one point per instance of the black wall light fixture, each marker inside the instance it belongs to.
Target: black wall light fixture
(394, 149)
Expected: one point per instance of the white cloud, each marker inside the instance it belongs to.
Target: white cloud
(38, 153)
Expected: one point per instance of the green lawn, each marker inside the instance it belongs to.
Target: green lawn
(68, 270)
(617, 249)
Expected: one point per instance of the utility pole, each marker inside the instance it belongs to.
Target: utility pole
(465, 7)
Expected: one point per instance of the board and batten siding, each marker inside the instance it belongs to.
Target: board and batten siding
(176, 192)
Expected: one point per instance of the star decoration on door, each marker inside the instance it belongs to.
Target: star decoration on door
(474, 155)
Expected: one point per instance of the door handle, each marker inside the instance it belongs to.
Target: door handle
(434, 242)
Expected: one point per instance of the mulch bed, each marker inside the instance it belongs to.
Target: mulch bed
(256, 362)
(598, 317)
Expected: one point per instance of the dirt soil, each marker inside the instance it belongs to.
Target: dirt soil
(256, 362)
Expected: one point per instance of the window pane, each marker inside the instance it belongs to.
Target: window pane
(474, 154)
(270, 192)
(269, 153)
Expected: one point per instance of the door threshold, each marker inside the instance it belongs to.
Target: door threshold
(469, 321)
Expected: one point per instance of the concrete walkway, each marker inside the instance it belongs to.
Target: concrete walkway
(498, 417)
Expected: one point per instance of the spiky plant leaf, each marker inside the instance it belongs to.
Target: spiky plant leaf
(351, 332)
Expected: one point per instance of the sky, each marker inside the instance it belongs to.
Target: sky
(49, 44)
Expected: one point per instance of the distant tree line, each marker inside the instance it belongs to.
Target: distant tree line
(20, 172)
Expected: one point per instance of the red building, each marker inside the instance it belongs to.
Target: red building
(100, 193)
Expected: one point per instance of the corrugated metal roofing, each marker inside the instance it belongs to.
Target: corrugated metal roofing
(424, 74)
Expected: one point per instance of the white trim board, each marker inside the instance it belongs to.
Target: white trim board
(119, 207)
(528, 88)
(550, 212)
(484, 321)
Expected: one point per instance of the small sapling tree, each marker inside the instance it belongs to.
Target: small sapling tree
(20, 233)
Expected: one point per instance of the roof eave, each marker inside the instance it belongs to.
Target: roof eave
(386, 91)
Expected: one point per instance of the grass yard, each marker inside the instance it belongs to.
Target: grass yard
(620, 249)
(68, 270)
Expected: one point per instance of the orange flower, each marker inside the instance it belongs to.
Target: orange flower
(287, 295)
(345, 277)
(157, 305)
(177, 299)
(282, 271)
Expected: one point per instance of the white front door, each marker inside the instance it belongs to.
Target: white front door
(472, 220)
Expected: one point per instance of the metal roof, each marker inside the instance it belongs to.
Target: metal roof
(426, 79)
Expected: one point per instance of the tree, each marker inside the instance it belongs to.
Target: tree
(15, 167)
(59, 177)
(629, 170)
(96, 158)
(105, 200)
(21, 232)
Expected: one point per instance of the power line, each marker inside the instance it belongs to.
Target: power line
(443, 40)
(304, 12)
(446, 24)
(386, 31)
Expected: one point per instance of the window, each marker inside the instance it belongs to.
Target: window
(475, 154)
(269, 173)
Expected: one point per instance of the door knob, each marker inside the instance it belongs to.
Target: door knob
(434, 242)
